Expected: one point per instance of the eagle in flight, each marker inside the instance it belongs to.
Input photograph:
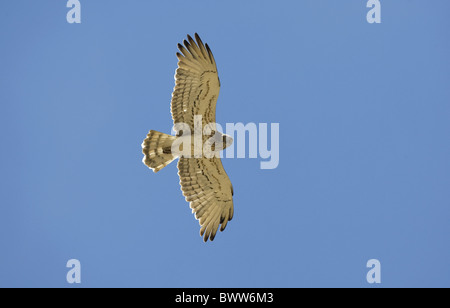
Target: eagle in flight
(203, 180)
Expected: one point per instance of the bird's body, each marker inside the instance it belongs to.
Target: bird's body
(203, 179)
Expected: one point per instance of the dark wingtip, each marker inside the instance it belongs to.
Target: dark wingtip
(198, 39)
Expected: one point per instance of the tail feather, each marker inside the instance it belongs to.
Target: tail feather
(157, 150)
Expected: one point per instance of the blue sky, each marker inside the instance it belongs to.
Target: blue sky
(364, 168)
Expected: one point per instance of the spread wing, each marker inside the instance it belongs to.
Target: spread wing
(207, 187)
(197, 84)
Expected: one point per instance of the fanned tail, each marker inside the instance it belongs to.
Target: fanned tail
(157, 148)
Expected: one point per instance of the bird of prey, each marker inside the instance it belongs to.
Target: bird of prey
(203, 179)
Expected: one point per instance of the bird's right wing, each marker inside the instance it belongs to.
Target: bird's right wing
(197, 84)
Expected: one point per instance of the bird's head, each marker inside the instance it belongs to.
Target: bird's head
(227, 141)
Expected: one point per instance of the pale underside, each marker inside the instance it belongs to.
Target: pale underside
(203, 181)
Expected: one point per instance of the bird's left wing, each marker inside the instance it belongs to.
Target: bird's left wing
(207, 187)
